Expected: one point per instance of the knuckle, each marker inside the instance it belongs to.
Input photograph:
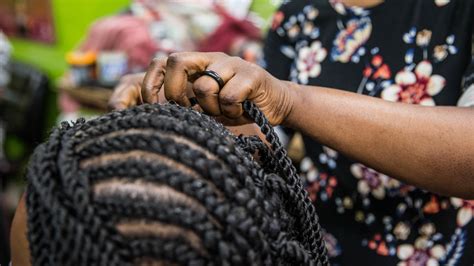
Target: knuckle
(155, 61)
(228, 99)
(220, 55)
(252, 77)
(254, 69)
(234, 61)
(236, 58)
(174, 59)
(202, 90)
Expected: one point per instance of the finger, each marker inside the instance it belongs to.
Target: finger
(207, 95)
(206, 89)
(153, 80)
(127, 93)
(234, 93)
(183, 67)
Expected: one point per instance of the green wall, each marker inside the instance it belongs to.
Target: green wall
(71, 21)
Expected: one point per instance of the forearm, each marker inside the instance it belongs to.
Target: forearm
(429, 147)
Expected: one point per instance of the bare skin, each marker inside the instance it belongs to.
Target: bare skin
(429, 147)
(20, 253)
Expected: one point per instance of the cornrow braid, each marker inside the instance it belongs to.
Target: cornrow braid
(163, 184)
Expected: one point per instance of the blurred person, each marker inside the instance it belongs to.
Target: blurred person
(163, 185)
(5, 51)
(153, 27)
(387, 179)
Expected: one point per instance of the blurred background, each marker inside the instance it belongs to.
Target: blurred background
(60, 59)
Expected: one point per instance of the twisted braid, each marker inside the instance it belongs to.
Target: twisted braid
(166, 184)
(306, 211)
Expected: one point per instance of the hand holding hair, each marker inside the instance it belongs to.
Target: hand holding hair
(185, 79)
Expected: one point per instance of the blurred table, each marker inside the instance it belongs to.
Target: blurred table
(94, 97)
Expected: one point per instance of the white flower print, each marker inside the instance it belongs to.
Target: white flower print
(465, 210)
(442, 2)
(309, 170)
(329, 157)
(411, 255)
(338, 6)
(370, 181)
(424, 252)
(350, 39)
(293, 31)
(298, 24)
(308, 62)
(423, 37)
(440, 52)
(311, 12)
(416, 87)
(402, 231)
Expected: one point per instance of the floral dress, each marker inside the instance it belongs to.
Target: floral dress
(410, 51)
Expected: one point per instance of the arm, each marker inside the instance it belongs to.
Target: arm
(429, 147)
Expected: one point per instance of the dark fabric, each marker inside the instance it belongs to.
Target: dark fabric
(415, 52)
(4, 247)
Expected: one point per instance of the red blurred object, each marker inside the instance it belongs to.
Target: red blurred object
(377, 60)
(230, 30)
(123, 33)
(383, 72)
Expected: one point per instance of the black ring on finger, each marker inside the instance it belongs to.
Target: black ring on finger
(215, 77)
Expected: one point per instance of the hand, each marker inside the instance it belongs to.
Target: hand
(179, 75)
(128, 92)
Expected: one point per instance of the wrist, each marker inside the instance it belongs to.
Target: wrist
(292, 94)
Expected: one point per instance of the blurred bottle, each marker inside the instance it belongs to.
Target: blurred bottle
(82, 67)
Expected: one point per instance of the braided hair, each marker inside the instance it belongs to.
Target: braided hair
(166, 185)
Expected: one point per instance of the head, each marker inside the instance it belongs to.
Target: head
(165, 185)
